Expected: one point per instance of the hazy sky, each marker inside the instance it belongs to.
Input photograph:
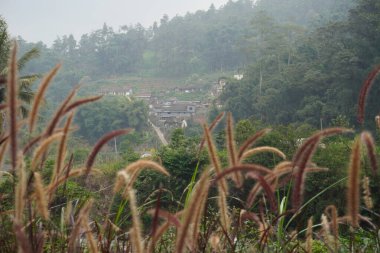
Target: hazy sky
(44, 20)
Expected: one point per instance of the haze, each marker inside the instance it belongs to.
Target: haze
(45, 20)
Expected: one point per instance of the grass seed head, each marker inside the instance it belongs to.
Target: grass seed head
(309, 236)
(353, 187)
(364, 92)
(39, 96)
(12, 93)
(103, 140)
(41, 200)
(367, 193)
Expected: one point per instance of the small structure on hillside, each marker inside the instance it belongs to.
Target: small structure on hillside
(143, 96)
(184, 124)
(238, 76)
(116, 91)
(188, 89)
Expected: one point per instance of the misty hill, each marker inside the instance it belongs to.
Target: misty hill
(303, 60)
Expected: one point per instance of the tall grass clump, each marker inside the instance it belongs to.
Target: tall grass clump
(37, 215)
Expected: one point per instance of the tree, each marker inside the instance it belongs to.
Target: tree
(4, 44)
(298, 76)
(111, 114)
(180, 158)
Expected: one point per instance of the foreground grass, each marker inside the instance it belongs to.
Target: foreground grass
(42, 209)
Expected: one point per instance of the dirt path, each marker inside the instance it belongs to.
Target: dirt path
(159, 134)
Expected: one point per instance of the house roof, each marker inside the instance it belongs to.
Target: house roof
(115, 90)
(172, 108)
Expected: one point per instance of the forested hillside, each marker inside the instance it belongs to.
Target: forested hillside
(302, 60)
(308, 75)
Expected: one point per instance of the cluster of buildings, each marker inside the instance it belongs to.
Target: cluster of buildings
(170, 113)
(167, 114)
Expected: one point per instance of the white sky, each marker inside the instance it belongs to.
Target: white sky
(45, 20)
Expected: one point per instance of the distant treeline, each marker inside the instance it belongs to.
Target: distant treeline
(205, 41)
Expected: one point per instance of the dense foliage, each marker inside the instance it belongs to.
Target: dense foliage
(308, 76)
(110, 114)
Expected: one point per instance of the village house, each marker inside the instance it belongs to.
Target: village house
(178, 111)
(116, 91)
(143, 96)
(238, 76)
(187, 89)
(172, 114)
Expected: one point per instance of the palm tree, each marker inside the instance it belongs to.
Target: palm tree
(25, 91)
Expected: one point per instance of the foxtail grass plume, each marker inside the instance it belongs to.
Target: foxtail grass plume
(259, 150)
(183, 234)
(214, 158)
(39, 96)
(367, 193)
(80, 102)
(136, 237)
(248, 143)
(135, 168)
(332, 212)
(244, 168)
(302, 159)
(364, 92)
(91, 242)
(3, 149)
(54, 184)
(41, 200)
(171, 218)
(309, 236)
(91, 158)
(353, 185)
(368, 141)
(42, 148)
(213, 124)
(12, 103)
(196, 223)
(122, 179)
(266, 187)
(59, 112)
(222, 185)
(231, 148)
(62, 146)
(20, 191)
(326, 231)
(74, 235)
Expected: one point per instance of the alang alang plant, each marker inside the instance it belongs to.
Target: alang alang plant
(30, 225)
